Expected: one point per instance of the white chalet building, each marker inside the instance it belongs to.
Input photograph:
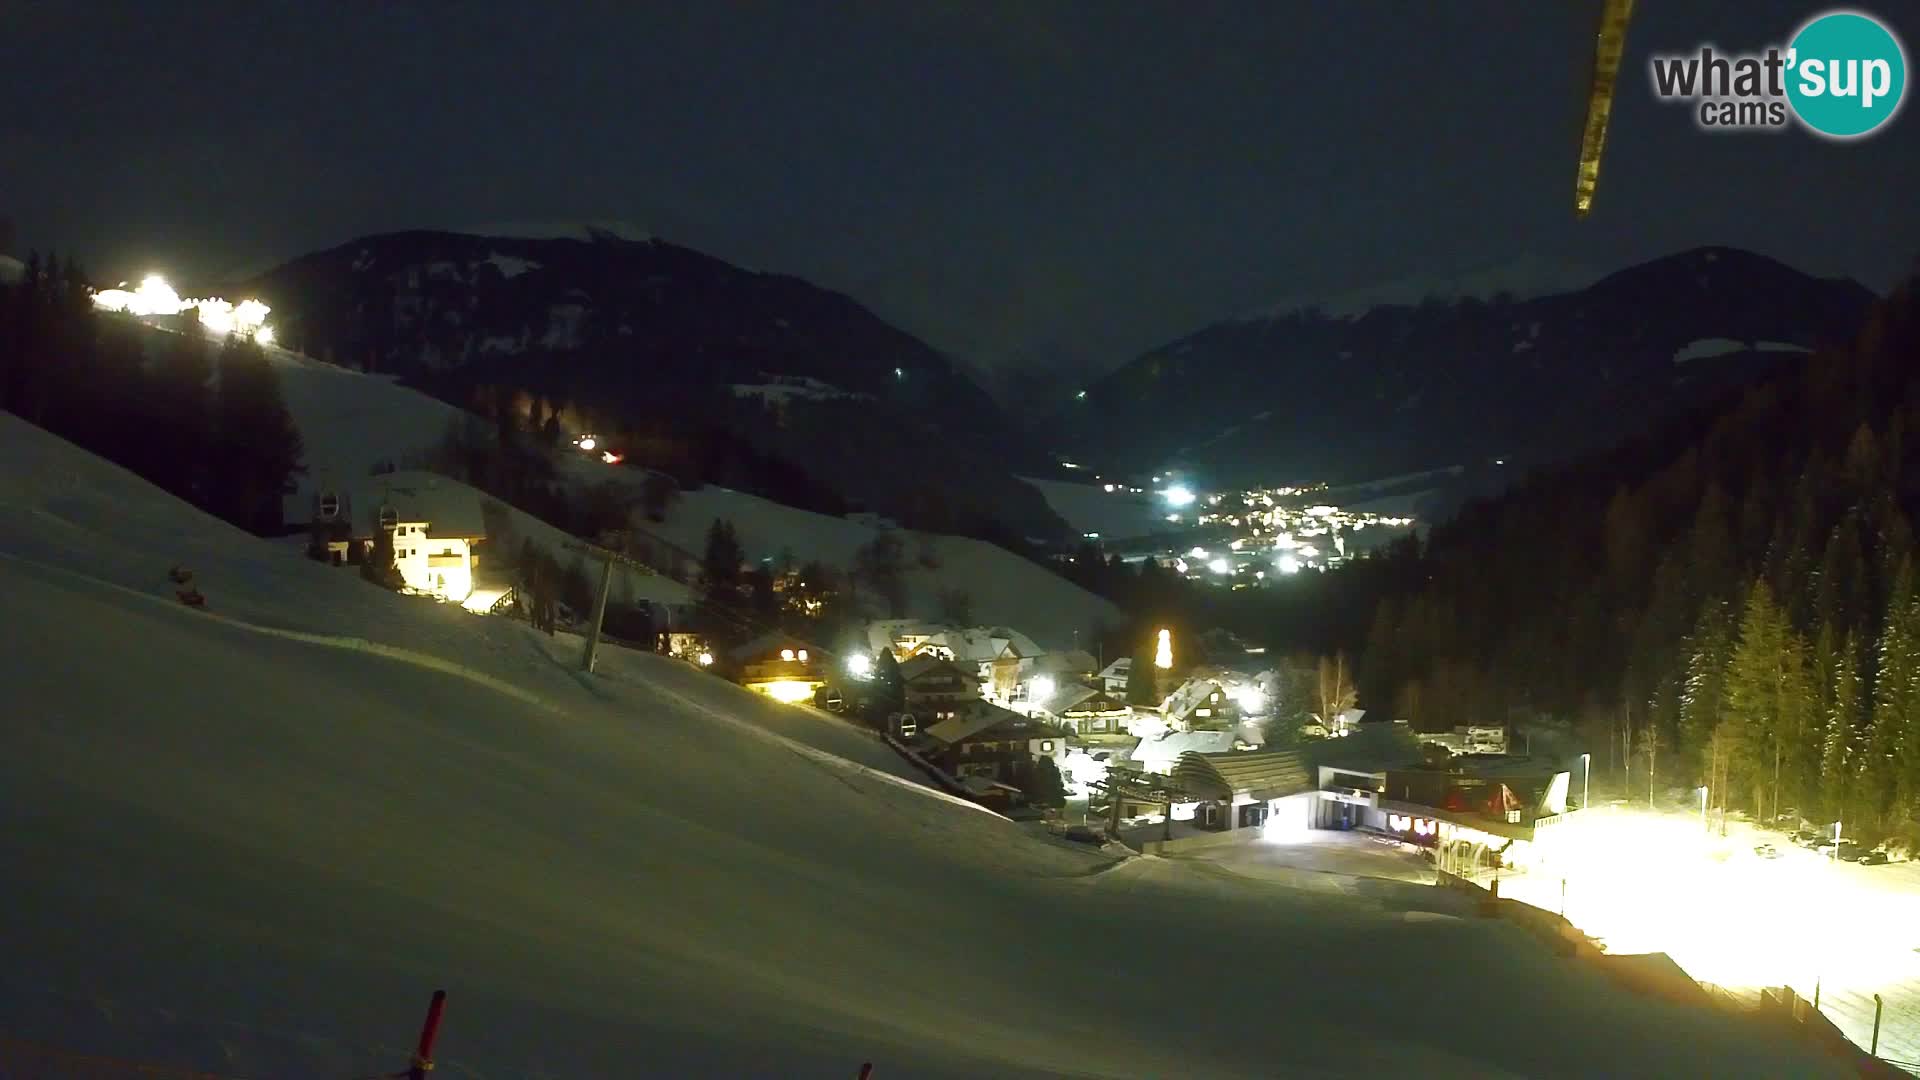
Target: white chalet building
(435, 524)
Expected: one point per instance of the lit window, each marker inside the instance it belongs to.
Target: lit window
(1203, 712)
(1046, 747)
(803, 656)
(786, 654)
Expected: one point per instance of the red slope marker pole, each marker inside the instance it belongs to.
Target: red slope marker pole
(429, 1031)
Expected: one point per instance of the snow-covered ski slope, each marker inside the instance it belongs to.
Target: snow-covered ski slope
(352, 421)
(253, 839)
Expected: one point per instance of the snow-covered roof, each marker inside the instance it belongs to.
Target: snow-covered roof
(1264, 774)
(448, 508)
(1158, 755)
(1072, 662)
(925, 664)
(980, 717)
(770, 645)
(1119, 669)
(1191, 695)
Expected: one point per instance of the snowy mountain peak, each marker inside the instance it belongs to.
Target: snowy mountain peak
(1523, 278)
(560, 230)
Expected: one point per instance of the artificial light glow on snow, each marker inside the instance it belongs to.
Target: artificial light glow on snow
(788, 691)
(1249, 698)
(1665, 881)
(706, 659)
(156, 297)
(1179, 496)
(1220, 566)
(1289, 564)
(1163, 650)
(585, 442)
(153, 297)
(860, 665)
(610, 457)
(1041, 689)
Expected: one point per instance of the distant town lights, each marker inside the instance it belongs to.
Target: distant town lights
(1220, 566)
(1289, 564)
(1179, 496)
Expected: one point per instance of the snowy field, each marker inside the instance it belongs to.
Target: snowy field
(1645, 881)
(253, 839)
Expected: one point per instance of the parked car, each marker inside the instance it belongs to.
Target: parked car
(1872, 858)
(1081, 834)
(1808, 838)
(1767, 851)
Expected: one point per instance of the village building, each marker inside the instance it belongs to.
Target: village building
(1241, 790)
(1084, 710)
(436, 525)
(1002, 658)
(1161, 754)
(1479, 816)
(986, 740)
(934, 689)
(782, 667)
(1201, 704)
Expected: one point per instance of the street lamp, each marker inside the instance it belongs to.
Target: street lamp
(1586, 780)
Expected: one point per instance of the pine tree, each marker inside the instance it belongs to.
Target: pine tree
(889, 693)
(1838, 749)
(1043, 786)
(379, 566)
(720, 565)
(1890, 767)
(182, 401)
(1143, 677)
(257, 450)
(1761, 704)
(1703, 684)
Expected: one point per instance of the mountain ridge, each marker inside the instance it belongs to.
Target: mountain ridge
(1398, 388)
(653, 336)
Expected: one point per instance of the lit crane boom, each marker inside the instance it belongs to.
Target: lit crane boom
(1606, 71)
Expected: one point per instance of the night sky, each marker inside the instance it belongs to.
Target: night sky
(1065, 183)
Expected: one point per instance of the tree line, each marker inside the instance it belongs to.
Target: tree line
(204, 420)
(1729, 602)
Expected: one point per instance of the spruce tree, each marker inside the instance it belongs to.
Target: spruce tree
(889, 693)
(1890, 767)
(379, 566)
(257, 450)
(1143, 678)
(1043, 785)
(1837, 749)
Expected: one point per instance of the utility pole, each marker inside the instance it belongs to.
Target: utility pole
(610, 556)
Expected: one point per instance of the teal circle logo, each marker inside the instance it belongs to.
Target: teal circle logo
(1847, 74)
